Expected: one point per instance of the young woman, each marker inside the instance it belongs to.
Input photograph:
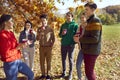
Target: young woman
(10, 51)
(79, 34)
(28, 36)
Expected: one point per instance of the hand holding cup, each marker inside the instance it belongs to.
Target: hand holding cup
(64, 31)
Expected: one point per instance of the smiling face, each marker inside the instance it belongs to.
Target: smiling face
(44, 21)
(28, 26)
(69, 17)
(89, 11)
(9, 24)
(83, 18)
(90, 8)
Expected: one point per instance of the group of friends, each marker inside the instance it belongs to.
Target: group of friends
(87, 36)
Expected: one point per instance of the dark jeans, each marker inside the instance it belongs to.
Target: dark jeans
(89, 61)
(67, 50)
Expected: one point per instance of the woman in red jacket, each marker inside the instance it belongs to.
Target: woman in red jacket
(9, 51)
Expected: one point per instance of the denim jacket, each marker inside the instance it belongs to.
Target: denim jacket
(31, 36)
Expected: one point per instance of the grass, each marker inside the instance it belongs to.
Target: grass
(107, 65)
(111, 31)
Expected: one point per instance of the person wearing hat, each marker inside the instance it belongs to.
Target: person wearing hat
(91, 40)
(10, 51)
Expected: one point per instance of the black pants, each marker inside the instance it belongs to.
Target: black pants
(67, 50)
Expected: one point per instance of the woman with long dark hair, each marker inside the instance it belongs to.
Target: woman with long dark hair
(28, 36)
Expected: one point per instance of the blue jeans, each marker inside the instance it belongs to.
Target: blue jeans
(11, 70)
(79, 63)
(64, 51)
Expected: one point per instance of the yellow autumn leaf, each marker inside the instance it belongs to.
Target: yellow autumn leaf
(35, 7)
(71, 9)
(76, 0)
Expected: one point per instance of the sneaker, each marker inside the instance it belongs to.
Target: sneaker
(42, 77)
(70, 77)
(47, 77)
(86, 78)
(63, 75)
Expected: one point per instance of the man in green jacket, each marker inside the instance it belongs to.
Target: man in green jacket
(67, 31)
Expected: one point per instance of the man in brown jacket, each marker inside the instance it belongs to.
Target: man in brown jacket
(46, 38)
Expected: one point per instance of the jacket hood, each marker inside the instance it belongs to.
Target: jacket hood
(72, 22)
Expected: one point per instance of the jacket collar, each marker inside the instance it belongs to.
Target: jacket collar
(70, 22)
(90, 18)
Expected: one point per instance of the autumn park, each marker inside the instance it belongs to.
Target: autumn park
(107, 64)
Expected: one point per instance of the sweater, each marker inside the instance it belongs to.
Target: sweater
(8, 44)
(91, 40)
(71, 28)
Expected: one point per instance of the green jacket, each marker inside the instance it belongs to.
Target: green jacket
(91, 40)
(67, 39)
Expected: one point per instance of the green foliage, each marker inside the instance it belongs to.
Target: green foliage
(118, 16)
(110, 15)
(115, 16)
(108, 19)
(103, 18)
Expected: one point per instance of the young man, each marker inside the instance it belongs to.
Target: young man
(67, 31)
(91, 40)
(46, 38)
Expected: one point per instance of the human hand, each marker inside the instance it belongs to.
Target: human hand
(24, 40)
(20, 45)
(76, 38)
(64, 31)
(84, 24)
(29, 42)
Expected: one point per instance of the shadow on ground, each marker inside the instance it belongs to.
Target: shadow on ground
(37, 78)
(19, 78)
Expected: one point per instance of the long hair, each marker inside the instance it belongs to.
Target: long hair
(3, 19)
(25, 25)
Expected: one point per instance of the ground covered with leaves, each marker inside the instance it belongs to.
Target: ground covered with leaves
(107, 65)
